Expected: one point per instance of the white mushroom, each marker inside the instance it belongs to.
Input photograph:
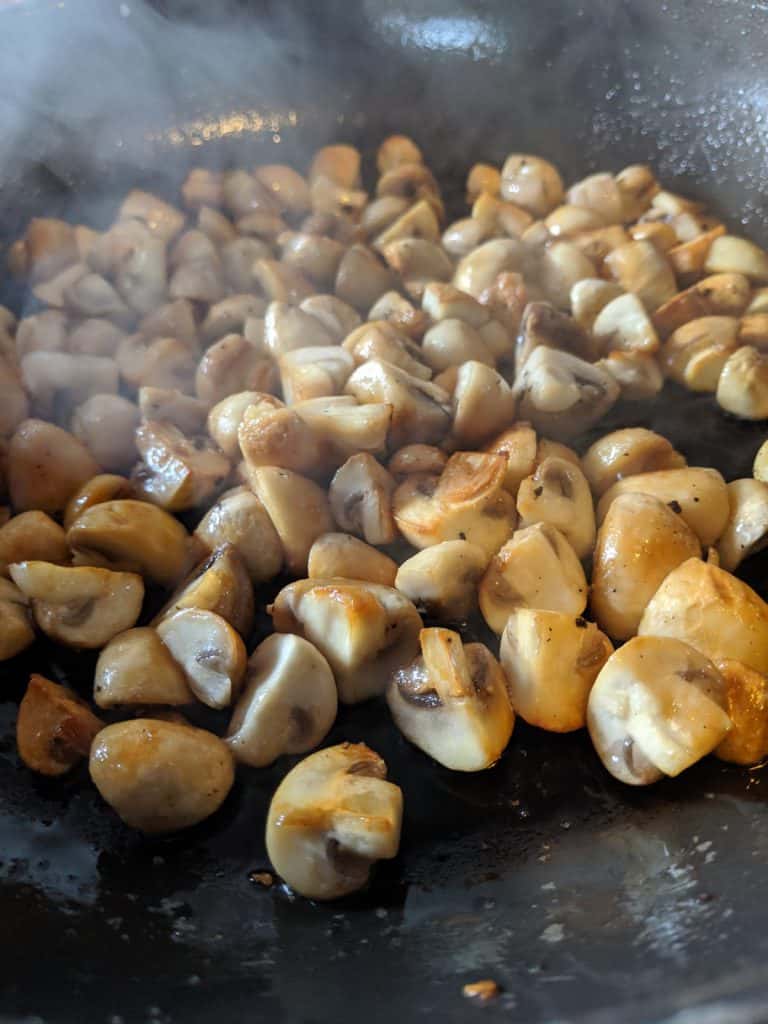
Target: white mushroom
(589, 296)
(624, 325)
(560, 266)
(225, 417)
(732, 255)
(624, 453)
(331, 818)
(288, 327)
(483, 404)
(419, 408)
(177, 472)
(344, 427)
(239, 518)
(713, 611)
(136, 668)
(14, 404)
(54, 728)
(106, 425)
(746, 532)
(131, 536)
(384, 342)
(442, 301)
(536, 568)
(452, 702)
(395, 151)
(57, 380)
(162, 363)
(442, 579)
(288, 703)
(337, 317)
(298, 509)
(558, 493)
(46, 465)
(742, 387)
(230, 365)
(361, 278)
(49, 247)
(697, 494)
(696, 353)
(601, 194)
(271, 436)
(656, 708)
(551, 659)
(417, 458)
(360, 496)
(531, 182)
(544, 325)
(314, 372)
(161, 776)
(366, 631)
(518, 445)
(339, 554)
(32, 535)
(639, 376)
(287, 186)
(452, 342)
(640, 541)
(746, 697)
(480, 268)
(81, 606)
(230, 314)
(209, 651)
(716, 295)
(183, 411)
(160, 217)
(104, 487)
(16, 632)
(639, 267)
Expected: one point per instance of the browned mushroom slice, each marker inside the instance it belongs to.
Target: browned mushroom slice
(177, 472)
(55, 728)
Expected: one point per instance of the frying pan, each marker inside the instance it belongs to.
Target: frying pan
(585, 900)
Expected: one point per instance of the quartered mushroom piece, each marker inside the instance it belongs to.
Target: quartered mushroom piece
(225, 417)
(46, 465)
(452, 702)
(360, 496)
(746, 531)
(331, 818)
(161, 776)
(219, 584)
(100, 488)
(288, 703)
(365, 630)
(239, 518)
(339, 554)
(16, 631)
(136, 669)
(656, 708)
(209, 651)
(558, 493)
(298, 509)
(419, 408)
(177, 472)
(442, 579)
(624, 453)
(551, 660)
(54, 728)
(32, 535)
(79, 606)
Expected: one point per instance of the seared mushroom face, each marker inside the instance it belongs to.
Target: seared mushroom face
(746, 695)
(360, 495)
(536, 568)
(132, 536)
(656, 708)
(558, 494)
(279, 437)
(338, 554)
(551, 660)
(55, 728)
(32, 535)
(466, 502)
(16, 632)
(239, 518)
(220, 584)
(452, 702)
(624, 453)
(136, 668)
(161, 776)
(366, 631)
(288, 703)
(698, 495)
(79, 607)
(209, 651)
(225, 417)
(640, 541)
(332, 817)
(442, 579)
(298, 509)
(177, 472)
(712, 611)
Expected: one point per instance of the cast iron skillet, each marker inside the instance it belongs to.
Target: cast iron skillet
(585, 900)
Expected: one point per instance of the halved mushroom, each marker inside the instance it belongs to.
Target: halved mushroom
(463, 236)
(337, 317)
(716, 295)
(161, 776)
(382, 212)
(46, 465)
(58, 381)
(131, 536)
(209, 651)
(656, 708)
(382, 341)
(731, 255)
(562, 395)
(483, 404)
(345, 427)
(746, 701)
(640, 541)
(239, 518)
(542, 324)
(314, 372)
(183, 411)
(531, 182)
(229, 315)
(478, 270)
(136, 668)
(568, 220)
(624, 453)
(601, 194)
(32, 535)
(589, 297)
(16, 632)
(298, 509)
(639, 376)
(558, 493)
(499, 217)
(161, 218)
(518, 445)
(162, 362)
(104, 487)
(331, 818)
(338, 554)
(639, 267)
(288, 327)
(230, 365)
(758, 301)
(288, 705)
(442, 301)
(280, 437)
(551, 659)
(624, 325)
(360, 496)
(106, 424)
(452, 342)
(753, 330)
(218, 584)
(362, 278)
(417, 458)
(419, 409)
(637, 185)
(91, 295)
(713, 611)
(559, 267)
(225, 417)
(141, 275)
(696, 353)
(742, 387)
(287, 186)
(548, 449)
(442, 579)
(698, 494)
(418, 221)
(55, 728)
(452, 702)
(466, 502)
(417, 262)
(365, 630)
(746, 532)
(536, 568)
(79, 606)
(177, 472)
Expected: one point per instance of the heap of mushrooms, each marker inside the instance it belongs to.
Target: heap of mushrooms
(291, 395)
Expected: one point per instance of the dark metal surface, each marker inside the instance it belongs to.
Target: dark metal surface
(585, 900)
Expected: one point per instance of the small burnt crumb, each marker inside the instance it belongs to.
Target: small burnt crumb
(538, 491)
(462, 535)
(481, 991)
(262, 878)
(581, 622)
(675, 506)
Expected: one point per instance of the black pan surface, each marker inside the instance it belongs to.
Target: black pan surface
(585, 900)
